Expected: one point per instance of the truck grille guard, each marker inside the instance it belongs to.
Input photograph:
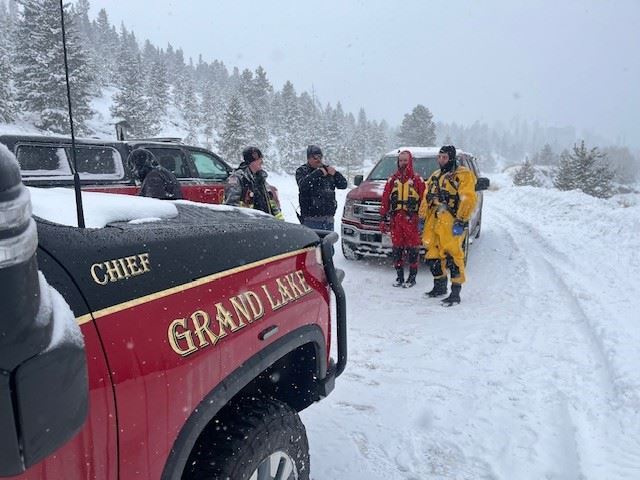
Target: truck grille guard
(335, 277)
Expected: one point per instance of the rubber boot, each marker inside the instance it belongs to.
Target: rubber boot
(411, 281)
(454, 297)
(400, 278)
(439, 287)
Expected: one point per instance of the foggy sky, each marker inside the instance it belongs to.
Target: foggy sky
(569, 62)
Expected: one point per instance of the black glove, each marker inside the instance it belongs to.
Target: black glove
(443, 196)
(431, 197)
(260, 176)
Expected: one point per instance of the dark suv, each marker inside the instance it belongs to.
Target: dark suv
(46, 162)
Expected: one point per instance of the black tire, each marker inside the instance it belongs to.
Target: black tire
(465, 247)
(349, 253)
(253, 435)
(479, 227)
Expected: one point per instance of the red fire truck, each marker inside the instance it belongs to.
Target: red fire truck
(204, 334)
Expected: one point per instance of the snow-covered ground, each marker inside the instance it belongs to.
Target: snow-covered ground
(536, 375)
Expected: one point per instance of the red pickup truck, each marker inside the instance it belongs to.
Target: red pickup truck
(102, 164)
(201, 340)
(361, 234)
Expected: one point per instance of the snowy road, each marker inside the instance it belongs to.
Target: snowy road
(535, 375)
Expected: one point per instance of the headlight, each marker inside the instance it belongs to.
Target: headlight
(348, 210)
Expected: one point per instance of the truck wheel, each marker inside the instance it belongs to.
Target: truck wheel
(479, 227)
(257, 439)
(349, 253)
(465, 246)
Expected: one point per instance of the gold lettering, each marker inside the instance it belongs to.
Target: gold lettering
(132, 265)
(199, 328)
(274, 305)
(94, 274)
(124, 267)
(174, 336)
(224, 320)
(144, 261)
(303, 281)
(291, 280)
(113, 269)
(256, 305)
(284, 292)
(241, 309)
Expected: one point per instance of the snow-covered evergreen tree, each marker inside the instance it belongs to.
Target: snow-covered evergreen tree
(106, 49)
(258, 99)
(157, 91)
(417, 128)
(526, 175)
(7, 107)
(235, 132)
(289, 143)
(585, 170)
(40, 78)
(131, 103)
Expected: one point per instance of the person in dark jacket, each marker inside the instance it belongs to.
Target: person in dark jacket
(317, 183)
(247, 186)
(157, 181)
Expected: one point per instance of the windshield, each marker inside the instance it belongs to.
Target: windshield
(423, 166)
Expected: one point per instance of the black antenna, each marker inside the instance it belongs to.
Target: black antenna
(76, 176)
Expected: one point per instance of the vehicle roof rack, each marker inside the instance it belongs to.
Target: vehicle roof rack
(157, 139)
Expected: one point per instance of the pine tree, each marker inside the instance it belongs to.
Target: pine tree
(157, 93)
(289, 142)
(526, 175)
(40, 79)
(7, 107)
(417, 128)
(258, 98)
(106, 49)
(584, 169)
(546, 156)
(131, 103)
(235, 131)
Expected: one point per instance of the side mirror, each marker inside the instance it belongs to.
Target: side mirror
(482, 184)
(44, 389)
(357, 180)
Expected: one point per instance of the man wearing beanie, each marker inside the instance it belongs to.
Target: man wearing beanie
(449, 201)
(317, 185)
(156, 181)
(247, 186)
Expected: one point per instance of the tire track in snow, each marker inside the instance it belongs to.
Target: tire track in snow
(625, 448)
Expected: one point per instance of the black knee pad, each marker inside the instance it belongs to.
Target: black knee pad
(453, 268)
(435, 265)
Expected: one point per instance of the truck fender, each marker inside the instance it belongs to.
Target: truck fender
(213, 402)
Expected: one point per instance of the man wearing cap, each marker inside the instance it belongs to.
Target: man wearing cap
(247, 186)
(157, 181)
(317, 183)
(449, 201)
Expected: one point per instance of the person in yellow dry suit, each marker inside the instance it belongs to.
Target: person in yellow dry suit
(448, 202)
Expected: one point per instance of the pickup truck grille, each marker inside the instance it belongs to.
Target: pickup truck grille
(368, 212)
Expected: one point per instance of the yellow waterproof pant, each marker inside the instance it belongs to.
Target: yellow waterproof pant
(441, 244)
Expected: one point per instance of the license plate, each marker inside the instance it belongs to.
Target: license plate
(386, 240)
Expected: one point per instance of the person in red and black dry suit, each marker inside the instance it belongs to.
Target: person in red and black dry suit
(400, 205)
(156, 181)
(247, 185)
(449, 201)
